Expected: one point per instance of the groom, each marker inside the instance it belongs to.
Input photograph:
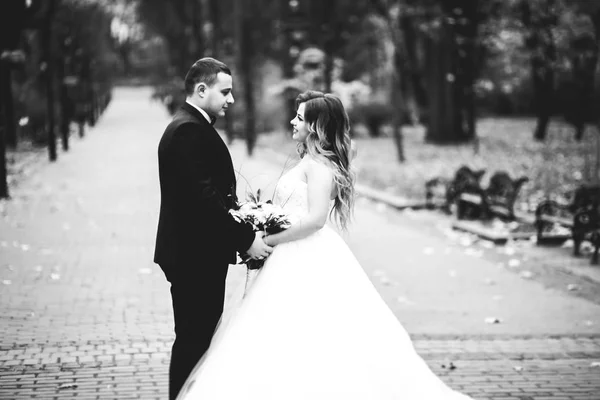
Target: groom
(197, 238)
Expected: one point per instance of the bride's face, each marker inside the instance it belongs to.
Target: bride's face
(300, 129)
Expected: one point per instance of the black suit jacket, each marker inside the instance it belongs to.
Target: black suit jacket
(197, 184)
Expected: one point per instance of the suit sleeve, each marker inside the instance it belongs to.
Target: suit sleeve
(194, 159)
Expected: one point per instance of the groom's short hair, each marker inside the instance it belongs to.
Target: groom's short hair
(204, 70)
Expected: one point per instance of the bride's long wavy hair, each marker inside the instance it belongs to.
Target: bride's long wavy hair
(328, 141)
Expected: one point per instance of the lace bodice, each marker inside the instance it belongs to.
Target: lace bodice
(291, 194)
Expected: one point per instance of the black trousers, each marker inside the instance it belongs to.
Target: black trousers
(197, 307)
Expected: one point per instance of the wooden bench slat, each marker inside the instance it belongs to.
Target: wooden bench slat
(559, 220)
(499, 210)
(471, 198)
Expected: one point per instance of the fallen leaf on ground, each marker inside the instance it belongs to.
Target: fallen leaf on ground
(449, 233)
(451, 366)
(513, 263)
(573, 287)
(404, 300)
(465, 241)
(487, 244)
(385, 281)
(492, 320)
(473, 252)
(526, 274)
(381, 207)
(67, 386)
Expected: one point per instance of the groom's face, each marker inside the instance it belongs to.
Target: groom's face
(218, 97)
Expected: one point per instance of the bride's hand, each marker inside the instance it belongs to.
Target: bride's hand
(259, 250)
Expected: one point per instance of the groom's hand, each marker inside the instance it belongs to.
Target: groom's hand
(258, 249)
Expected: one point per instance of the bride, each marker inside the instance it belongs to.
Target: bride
(312, 326)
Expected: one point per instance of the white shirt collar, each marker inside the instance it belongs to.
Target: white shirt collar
(199, 109)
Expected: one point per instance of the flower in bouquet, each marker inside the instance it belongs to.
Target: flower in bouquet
(264, 216)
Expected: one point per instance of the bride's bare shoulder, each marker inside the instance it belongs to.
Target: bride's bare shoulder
(314, 165)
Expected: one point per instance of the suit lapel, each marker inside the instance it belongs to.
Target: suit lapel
(197, 115)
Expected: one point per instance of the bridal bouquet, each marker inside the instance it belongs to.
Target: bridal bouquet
(263, 216)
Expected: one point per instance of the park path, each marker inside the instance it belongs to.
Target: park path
(84, 312)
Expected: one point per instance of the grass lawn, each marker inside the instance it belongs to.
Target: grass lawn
(554, 167)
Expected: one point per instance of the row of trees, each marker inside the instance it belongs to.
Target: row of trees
(56, 58)
(440, 61)
(445, 52)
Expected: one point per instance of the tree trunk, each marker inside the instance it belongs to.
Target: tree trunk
(3, 172)
(540, 43)
(64, 104)
(417, 88)
(246, 53)
(198, 44)
(468, 61)
(3, 168)
(329, 45)
(7, 106)
(543, 88)
(329, 58)
(397, 95)
(49, 80)
(451, 110)
(124, 50)
(13, 16)
(581, 109)
(445, 121)
(215, 14)
(88, 89)
(217, 36)
(397, 122)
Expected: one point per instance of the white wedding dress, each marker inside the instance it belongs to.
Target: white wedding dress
(312, 326)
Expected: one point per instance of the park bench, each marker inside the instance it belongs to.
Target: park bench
(581, 216)
(442, 192)
(471, 199)
(498, 199)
